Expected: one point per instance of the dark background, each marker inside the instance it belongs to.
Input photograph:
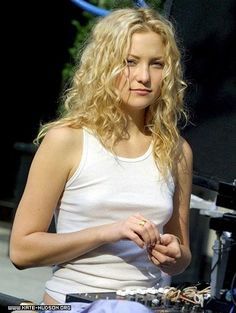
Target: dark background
(207, 30)
(35, 40)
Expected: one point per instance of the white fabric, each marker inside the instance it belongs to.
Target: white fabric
(104, 189)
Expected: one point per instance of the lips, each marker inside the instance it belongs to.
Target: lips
(140, 89)
(141, 92)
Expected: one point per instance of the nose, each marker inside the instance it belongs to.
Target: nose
(143, 74)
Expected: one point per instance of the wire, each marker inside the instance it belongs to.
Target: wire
(232, 289)
(217, 249)
(99, 11)
(189, 294)
(91, 8)
(220, 251)
(141, 3)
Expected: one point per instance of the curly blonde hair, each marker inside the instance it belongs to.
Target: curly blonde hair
(93, 101)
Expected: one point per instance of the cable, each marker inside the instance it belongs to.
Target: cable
(99, 11)
(91, 8)
(217, 248)
(141, 3)
(232, 288)
(189, 294)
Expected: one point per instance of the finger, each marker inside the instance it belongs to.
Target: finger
(136, 238)
(161, 264)
(162, 249)
(140, 225)
(150, 231)
(163, 258)
(169, 239)
(128, 231)
(172, 250)
(142, 231)
(154, 260)
(157, 234)
(166, 239)
(153, 233)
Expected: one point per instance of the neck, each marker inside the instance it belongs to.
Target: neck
(136, 123)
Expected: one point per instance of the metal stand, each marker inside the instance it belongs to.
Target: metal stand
(223, 262)
(222, 249)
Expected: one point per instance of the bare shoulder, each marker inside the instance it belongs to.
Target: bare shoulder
(63, 146)
(62, 140)
(63, 137)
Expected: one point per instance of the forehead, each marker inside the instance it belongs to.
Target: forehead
(148, 43)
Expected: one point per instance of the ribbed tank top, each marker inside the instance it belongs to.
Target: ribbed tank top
(106, 188)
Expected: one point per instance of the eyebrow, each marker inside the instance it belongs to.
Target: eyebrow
(154, 58)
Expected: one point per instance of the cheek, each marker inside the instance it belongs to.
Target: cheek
(158, 81)
(123, 80)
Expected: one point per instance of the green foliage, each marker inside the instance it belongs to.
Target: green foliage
(83, 28)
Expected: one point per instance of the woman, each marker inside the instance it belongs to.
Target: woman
(113, 169)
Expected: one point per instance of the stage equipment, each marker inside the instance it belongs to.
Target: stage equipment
(167, 299)
(223, 271)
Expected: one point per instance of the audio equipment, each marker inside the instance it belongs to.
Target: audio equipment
(168, 299)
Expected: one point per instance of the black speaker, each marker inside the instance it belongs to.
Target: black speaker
(206, 29)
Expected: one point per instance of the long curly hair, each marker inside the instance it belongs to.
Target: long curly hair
(93, 102)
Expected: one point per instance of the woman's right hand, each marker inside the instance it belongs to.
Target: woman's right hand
(136, 228)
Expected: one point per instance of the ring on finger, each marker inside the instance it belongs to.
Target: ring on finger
(142, 222)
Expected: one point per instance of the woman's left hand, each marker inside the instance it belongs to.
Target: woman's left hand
(166, 253)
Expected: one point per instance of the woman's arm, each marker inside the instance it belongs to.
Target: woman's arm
(173, 255)
(54, 163)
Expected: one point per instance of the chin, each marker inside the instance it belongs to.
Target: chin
(139, 105)
(134, 108)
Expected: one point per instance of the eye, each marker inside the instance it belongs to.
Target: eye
(131, 62)
(158, 64)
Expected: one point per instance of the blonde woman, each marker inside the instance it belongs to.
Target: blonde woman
(113, 169)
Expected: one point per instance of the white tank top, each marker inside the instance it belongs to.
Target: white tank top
(106, 188)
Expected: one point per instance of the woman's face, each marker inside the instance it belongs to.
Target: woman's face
(140, 83)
